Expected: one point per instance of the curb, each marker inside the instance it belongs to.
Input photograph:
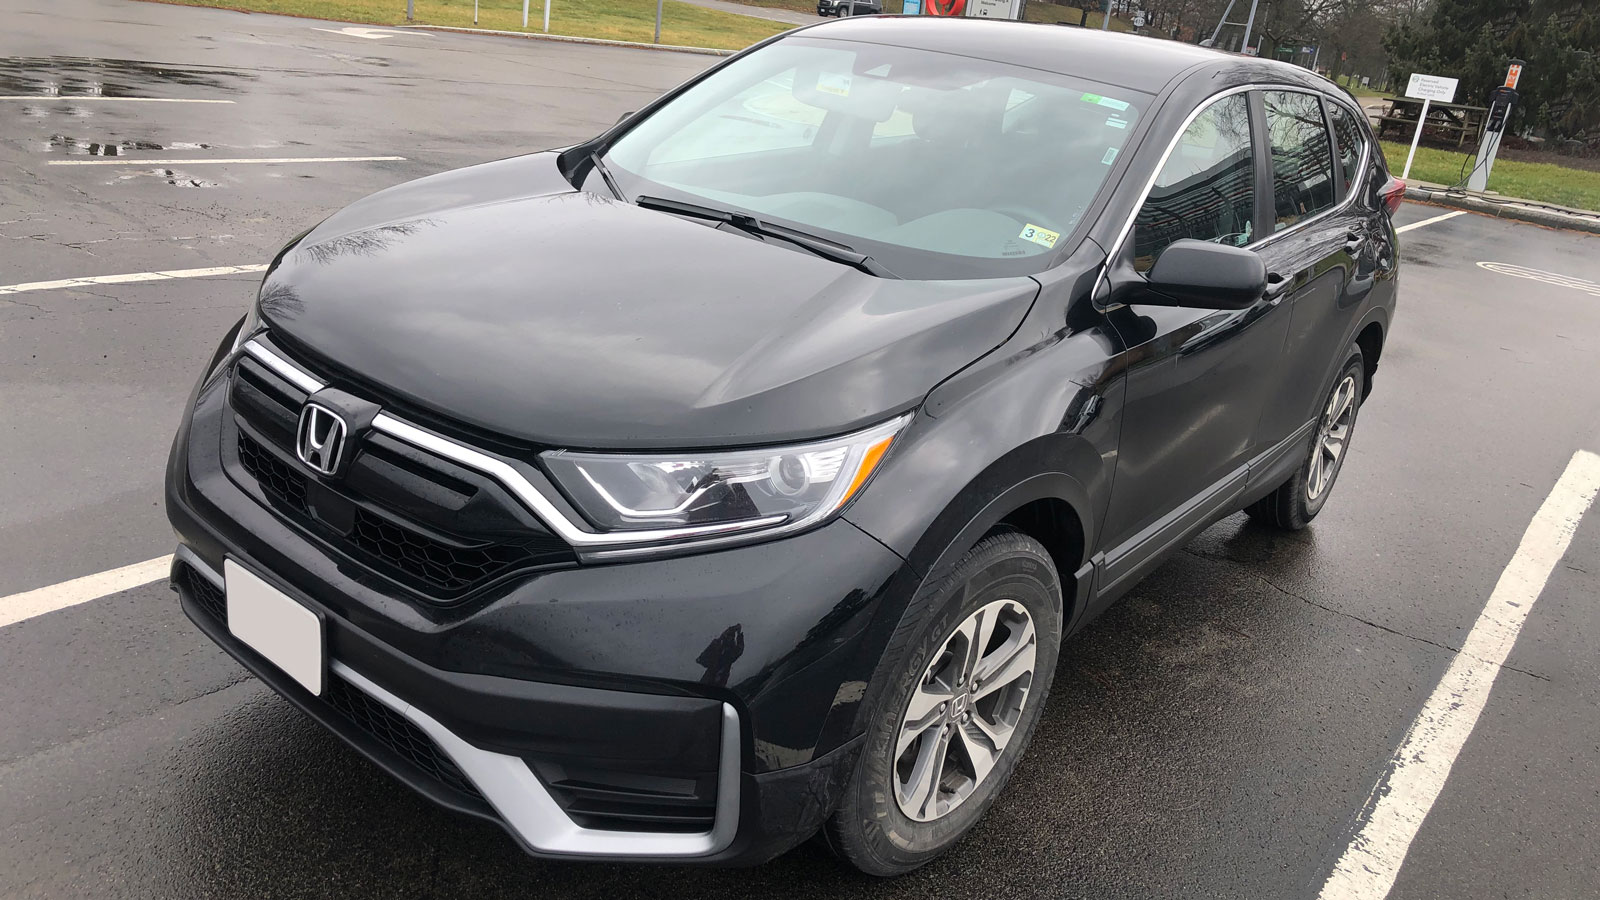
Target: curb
(568, 39)
(1509, 208)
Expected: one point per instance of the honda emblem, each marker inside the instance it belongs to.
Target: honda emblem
(321, 438)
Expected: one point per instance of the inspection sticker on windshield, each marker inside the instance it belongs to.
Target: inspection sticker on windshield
(836, 83)
(1117, 105)
(1042, 237)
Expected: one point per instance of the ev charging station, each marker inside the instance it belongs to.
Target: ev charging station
(1501, 101)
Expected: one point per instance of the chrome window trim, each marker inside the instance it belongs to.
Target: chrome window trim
(1150, 184)
(522, 800)
(514, 481)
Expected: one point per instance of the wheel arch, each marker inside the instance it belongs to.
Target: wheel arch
(1370, 340)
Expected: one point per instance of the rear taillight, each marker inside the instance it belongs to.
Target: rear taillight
(1394, 191)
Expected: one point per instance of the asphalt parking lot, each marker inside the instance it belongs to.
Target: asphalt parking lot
(1217, 734)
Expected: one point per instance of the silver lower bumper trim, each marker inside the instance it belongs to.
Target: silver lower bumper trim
(524, 803)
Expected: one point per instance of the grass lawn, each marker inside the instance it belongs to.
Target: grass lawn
(1354, 86)
(619, 20)
(1546, 182)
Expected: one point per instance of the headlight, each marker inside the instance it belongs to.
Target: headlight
(682, 494)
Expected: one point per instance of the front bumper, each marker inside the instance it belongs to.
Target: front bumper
(723, 687)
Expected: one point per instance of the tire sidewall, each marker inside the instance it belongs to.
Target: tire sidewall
(1008, 566)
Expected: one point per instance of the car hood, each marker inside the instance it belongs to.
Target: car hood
(499, 297)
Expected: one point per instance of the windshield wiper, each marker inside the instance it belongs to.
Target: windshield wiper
(605, 173)
(821, 246)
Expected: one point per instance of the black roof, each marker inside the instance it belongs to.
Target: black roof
(1142, 63)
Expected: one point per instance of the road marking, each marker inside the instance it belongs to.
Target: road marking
(1567, 281)
(1403, 796)
(130, 278)
(26, 605)
(371, 34)
(75, 98)
(219, 162)
(1426, 222)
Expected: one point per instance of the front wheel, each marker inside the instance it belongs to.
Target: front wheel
(966, 674)
(1297, 501)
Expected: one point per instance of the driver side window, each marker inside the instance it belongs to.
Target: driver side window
(1206, 190)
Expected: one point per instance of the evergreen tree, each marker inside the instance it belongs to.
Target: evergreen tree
(1473, 40)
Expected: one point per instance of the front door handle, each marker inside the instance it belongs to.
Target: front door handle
(1277, 288)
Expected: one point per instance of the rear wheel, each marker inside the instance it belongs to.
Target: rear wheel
(966, 680)
(1297, 501)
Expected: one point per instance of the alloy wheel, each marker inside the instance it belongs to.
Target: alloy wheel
(1332, 437)
(964, 710)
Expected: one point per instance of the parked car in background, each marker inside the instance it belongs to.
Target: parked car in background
(737, 475)
(849, 7)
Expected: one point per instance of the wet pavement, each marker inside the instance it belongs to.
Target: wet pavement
(1215, 735)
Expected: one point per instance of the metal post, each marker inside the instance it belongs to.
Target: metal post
(658, 21)
(1422, 122)
(410, 9)
(1316, 56)
(546, 16)
(1105, 20)
(474, 13)
(1248, 26)
(1212, 41)
(524, 15)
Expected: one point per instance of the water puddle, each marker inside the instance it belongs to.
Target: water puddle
(76, 76)
(60, 143)
(173, 177)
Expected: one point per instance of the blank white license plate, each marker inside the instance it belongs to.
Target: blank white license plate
(275, 626)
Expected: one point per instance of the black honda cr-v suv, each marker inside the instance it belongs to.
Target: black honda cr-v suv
(737, 475)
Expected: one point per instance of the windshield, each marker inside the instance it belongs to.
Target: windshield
(937, 166)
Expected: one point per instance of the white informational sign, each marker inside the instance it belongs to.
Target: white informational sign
(994, 9)
(1426, 88)
(1432, 87)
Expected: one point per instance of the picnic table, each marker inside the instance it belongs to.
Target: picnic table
(1445, 120)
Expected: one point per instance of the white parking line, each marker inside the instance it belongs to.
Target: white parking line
(26, 605)
(130, 278)
(1426, 222)
(74, 98)
(1402, 798)
(1555, 278)
(127, 161)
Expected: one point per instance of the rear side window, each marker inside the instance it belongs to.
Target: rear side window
(1348, 141)
(1302, 157)
(1206, 190)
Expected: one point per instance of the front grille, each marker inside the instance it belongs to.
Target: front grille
(274, 475)
(437, 563)
(397, 733)
(423, 522)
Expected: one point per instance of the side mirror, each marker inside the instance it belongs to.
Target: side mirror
(1206, 275)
